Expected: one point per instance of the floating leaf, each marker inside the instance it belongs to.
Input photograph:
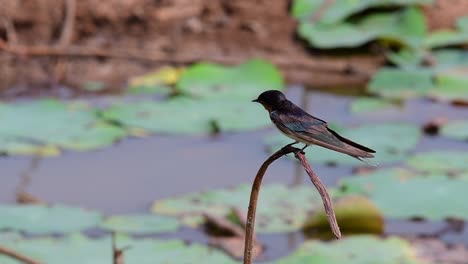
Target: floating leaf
(187, 116)
(303, 9)
(395, 83)
(355, 214)
(401, 194)
(369, 105)
(340, 10)
(155, 82)
(141, 223)
(41, 219)
(440, 161)
(44, 126)
(407, 58)
(446, 37)
(244, 82)
(379, 137)
(405, 28)
(451, 86)
(457, 129)
(280, 209)
(77, 249)
(354, 250)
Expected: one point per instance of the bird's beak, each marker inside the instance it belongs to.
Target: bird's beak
(255, 101)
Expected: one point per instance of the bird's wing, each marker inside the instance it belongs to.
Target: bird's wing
(306, 128)
(315, 131)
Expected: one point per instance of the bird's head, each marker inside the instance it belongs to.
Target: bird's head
(270, 99)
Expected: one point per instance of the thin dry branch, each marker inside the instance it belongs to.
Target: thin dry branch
(250, 224)
(66, 36)
(325, 64)
(327, 203)
(13, 254)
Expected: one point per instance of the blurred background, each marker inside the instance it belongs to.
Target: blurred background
(134, 117)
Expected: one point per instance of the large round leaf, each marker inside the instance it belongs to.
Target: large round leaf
(440, 161)
(188, 116)
(369, 105)
(32, 127)
(339, 10)
(40, 219)
(141, 223)
(456, 129)
(244, 82)
(280, 209)
(405, 27)
(77, 249)
(354, 250)
(402, 194)
(398, 84)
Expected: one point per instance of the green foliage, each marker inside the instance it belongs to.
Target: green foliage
(188, 116)
(277, 211)
(243, 82)
(406, 28)
(440, 161)
(338, 11)
(354, 250)
(77, 249)
(214, 98)
(380, 137)
(402, 194)
(457, 129)
(369, 105)
(141, 223)
(43, 126)
(401, 84)
(41, 219)
(446, 37)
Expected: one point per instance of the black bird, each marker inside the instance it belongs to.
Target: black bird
(297, 124)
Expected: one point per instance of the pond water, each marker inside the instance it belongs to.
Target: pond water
(130, 175)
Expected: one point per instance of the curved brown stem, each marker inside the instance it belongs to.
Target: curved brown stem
(17, 256)
(327, 203)
(250, 223)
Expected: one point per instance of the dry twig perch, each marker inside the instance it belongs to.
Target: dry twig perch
(250, 224)
(17, 256)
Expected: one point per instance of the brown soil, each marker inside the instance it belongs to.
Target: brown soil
(47, 44)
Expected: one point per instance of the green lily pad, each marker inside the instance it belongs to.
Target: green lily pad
(401, 84)
(78, 249)
(340, 10)
(401, 194)
(407, 58)
(304, 9)
(440, 161)
(355, 215)
(370, 105)
(379, 137)
(40, 219)
(405, 28)
(141, 224)
(187, 116)
(43, 126)
(354, 250)
(157, 82)
(446, 37)
(451, 86)
(457, 129)
(280, 209)
(244, 82)
(450, 58)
